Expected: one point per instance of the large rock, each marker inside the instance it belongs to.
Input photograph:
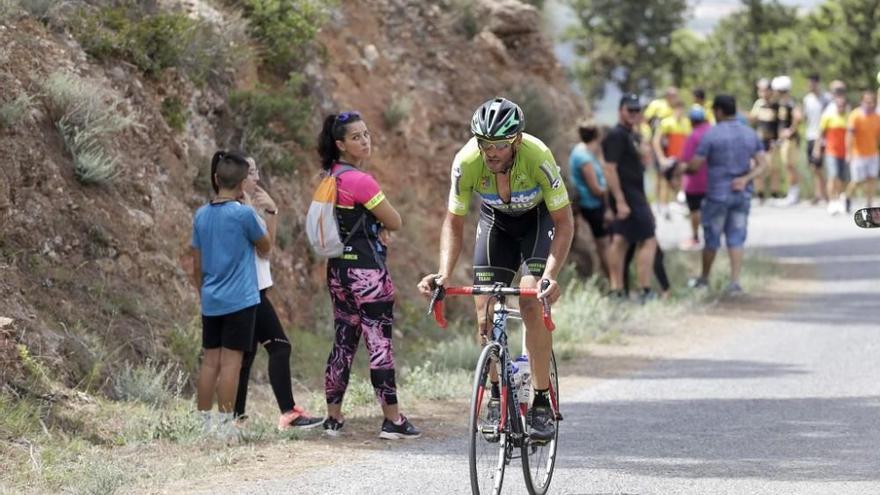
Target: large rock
(511, 17)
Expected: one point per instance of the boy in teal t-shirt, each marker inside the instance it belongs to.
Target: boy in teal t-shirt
(226, 235)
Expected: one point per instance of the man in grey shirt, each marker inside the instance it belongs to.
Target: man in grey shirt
(728, 150)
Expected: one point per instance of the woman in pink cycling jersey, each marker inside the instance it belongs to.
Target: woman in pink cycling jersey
(360, 286)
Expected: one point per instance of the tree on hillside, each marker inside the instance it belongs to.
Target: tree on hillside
(759, 40)
(859, 40)
(626, 43)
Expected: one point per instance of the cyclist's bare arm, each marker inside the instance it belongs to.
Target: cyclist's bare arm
(559, 247)
(450, 247)
(388, 215)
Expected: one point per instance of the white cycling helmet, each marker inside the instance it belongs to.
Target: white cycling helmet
(781, 83)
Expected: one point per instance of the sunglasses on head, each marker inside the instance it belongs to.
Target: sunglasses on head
(344, 117)
(498, 144)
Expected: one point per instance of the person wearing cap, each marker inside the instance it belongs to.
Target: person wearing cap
(634, 222)
(788, 118)
(763, 118)
(814, 103)
(695, 182)
(728, 149)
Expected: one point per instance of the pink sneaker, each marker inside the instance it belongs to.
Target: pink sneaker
(297, 418)
(689, 245)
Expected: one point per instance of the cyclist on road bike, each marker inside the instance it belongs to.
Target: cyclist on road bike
(525, 225)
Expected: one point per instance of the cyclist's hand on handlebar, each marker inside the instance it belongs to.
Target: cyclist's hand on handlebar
(428, 282)
(552, 292)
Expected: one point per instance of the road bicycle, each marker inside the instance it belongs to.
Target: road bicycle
(498, 429)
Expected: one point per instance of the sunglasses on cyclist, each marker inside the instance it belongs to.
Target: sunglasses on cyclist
(500, 145)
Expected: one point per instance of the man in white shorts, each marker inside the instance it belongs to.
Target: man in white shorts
(862, 138)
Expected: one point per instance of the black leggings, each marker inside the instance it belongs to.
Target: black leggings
(659, 268)
(269, 333)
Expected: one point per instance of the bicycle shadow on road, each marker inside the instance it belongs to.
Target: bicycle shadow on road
(827, 439)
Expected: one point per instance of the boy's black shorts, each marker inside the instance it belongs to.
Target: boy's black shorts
(232, 331)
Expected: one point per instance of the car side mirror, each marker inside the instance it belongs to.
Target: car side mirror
(867, 218)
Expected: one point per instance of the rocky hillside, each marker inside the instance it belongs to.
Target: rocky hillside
(94, 273)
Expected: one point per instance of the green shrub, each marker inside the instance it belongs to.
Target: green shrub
(86, 117)
(9, 10)
(16, 111)
(184, 342)
(159, 42)
(153, 384)
(92, 163)
(285, 28)
(175, 113)
(41, 9)
(154, 42)
(468, 23)
(269, 118)
(398, 110)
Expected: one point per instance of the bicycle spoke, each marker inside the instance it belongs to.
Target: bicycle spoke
(539, 459)
(488, 445)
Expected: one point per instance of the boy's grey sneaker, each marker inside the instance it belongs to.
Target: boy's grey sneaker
(332, 426)
(734, 289)
(647, 296)
(698, 283)
(392, 431)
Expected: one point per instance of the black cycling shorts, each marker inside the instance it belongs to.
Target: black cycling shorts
(507, 244)
(595, 218)
(232, 331)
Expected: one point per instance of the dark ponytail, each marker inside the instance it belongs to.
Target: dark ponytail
(334, 128)
(327, 148)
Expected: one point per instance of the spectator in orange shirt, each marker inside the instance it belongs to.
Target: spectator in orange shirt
(862, 137)
(833, 127)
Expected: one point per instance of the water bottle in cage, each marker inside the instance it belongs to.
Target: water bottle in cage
(524, 379)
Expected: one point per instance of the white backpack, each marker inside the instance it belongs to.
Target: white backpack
(322, 227)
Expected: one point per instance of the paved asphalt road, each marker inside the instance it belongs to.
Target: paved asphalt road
(787, 402)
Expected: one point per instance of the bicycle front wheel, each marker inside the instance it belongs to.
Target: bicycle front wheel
(539, 458)
(488, 444)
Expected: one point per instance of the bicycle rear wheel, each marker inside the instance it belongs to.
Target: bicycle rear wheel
(539, 459)
(489, 446)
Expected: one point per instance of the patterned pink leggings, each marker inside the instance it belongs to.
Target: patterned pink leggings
(363, 302)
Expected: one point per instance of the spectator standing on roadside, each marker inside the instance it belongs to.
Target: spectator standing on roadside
(814, 103)
(634, 221)
(585, 167)
(695, 183)
(728, 149)
(862, 138)
(833, 127)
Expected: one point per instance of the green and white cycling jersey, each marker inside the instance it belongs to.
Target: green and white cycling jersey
(534, 178)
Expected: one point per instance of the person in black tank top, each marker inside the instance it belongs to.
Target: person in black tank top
(788, 118)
